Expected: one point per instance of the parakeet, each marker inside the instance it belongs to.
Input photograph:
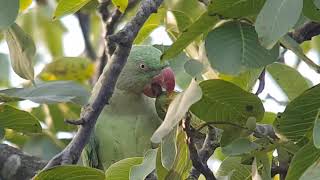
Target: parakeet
(125, 126)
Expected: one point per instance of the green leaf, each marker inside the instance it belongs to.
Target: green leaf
(177, 110)
(239, 146)
(303, 159)
(268, 118)
(160, 169)
(22, 50)
(169, 149)
(4, 69)
(24, 4)
(18, 120)
(264, 161)
(121, 169)
(68, 68)
(154, 21)
(312, 172)
(141, 171)
(2, 133)
(316, 131)
(182, 163)
(275, 19)
(202, 25)
(193, 67)
(50, 92)
(298, 118)
(9, 10)
(233, 48)
(68, 172)
(310, 10)
(236, 8)
(58, 113)
(289, 79)
(121, 4)
(246, 80)
(233, 165)
(224, 101)
(68, 7)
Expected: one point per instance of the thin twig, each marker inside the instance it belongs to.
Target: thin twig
(75, 122)
(104, 88)
(262, 82)
(306, 32)
(197, 162)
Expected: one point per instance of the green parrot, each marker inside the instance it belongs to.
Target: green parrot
(125, 126)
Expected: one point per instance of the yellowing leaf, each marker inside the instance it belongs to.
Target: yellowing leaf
(24, 4)
(22, 50)
(68, 7)
(121, 4)
(68, 68)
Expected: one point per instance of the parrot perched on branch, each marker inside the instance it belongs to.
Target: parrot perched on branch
(125, 126)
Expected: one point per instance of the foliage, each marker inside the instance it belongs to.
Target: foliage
(220, 52)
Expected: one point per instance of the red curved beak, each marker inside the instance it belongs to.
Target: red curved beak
(164, 80)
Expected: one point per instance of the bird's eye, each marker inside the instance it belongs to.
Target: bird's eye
(142, 66)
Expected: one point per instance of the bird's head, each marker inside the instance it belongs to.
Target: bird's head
(144, 73)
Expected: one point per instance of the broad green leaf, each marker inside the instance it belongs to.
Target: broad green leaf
(16, 138)
(233, 165)
(202, 25)
(182, 21)
(193, 67)
(68, 7)
(291, 44)
(50, 92)
(18, 120)
(121, 169)
(8, 12)
(239, 146)
(154, 21)
(121, 4)
(177, 110)
(192, 8)
(246, 80)
(233, 48)
(182, 163)
(224, 101)
(161, 171)
(142, 170)
(58, 113)
(312, 172)
(289, 79)
(22, 50)
(302, 160)
(316, 131)
(68, 172)
(169, 149)
(298, 118)
(268, 118)
(264, 160)
(275, 19)
(4, 69)
(24, 4)
(68, 68)
(310, 10)
(236, 8)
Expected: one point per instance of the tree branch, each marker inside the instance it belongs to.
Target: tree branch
(306, 32)
(199, 161)
(17, 165)
(104, 88)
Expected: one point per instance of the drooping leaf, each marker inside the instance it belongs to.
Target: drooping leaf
(22, 50)
(8, 12)
(121, 4)
(298, 118)
(316, 131)
(142, 170)
(202, 25)
(289, 79)
(68, 7)
(233, 48)
(222, 100)
(302, 160)
(18, 120)
(275, 19)
(68, 172)
(121, 169)
(68, 68)
(4, 69)
(232, 165)
(236, 8)
(177, 109)
(263, 161)
(161, 171)
(50, 92)
(310, 10)
(169, 149)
